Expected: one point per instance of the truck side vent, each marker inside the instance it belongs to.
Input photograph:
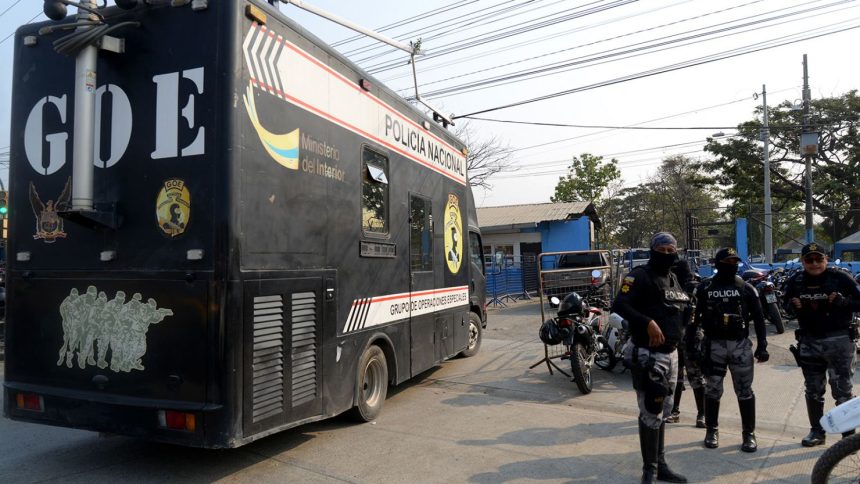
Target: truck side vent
(304, 347)
(268, 364)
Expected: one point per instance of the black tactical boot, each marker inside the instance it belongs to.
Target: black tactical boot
(649, 440)
(712, 417)
(699, 395)
(747, 408)
(664, 473)
(816, 435)
(675, 415)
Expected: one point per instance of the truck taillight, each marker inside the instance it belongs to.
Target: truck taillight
(30, 401)
(171, 419)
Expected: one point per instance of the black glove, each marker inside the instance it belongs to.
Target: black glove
(761, 353)
(839, 300)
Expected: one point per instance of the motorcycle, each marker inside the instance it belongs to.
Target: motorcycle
(768, 295)
(615, 332)
(839, 462)
(578, 327)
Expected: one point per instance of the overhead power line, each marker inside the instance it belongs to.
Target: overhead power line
(406, 21)
(13, 32)
(579, 29)
(499, 34)
(652, 72)
(455, 25)
(600, 126)
(9, 8)
(625, 52)
(526, 43)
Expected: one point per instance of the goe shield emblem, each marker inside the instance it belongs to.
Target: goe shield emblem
(453, 234)
(173, 207)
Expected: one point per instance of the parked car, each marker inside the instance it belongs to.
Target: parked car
(565, 272)
(636, 257)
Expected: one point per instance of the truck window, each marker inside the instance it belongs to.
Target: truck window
(421, 236)
(374, 193)
(572, 261)
(475, 253)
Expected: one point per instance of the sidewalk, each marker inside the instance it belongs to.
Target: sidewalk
(605, 420)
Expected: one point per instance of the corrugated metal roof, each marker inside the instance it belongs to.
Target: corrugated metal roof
(851, 239)
(514, 215)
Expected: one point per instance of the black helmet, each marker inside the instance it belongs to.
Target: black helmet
(549, 332)
(570, 305)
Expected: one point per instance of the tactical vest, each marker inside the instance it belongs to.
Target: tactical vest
(665, 305)
(725, 314)
(816, 315)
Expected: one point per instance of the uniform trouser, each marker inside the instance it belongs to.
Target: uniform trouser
(654, 384)
(735, 356)
(832, 357)
(695, 376)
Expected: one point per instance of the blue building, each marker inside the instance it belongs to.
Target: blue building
(514, 230)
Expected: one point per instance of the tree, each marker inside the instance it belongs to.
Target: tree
(486, 156)
(662, 203)
(738, 165)
(587, 179)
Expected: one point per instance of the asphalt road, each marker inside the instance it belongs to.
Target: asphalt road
(483, 419)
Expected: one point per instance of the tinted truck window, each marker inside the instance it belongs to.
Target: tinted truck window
(570, 261)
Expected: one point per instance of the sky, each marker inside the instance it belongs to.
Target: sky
(609, 63)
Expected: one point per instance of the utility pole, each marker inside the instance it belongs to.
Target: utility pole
(805, 151)
(768, 218)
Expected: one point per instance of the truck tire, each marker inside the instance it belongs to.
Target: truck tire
(371, 385)
(476, 333)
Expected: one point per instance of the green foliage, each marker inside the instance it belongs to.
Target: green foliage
(738, 167)
(587, 179)
(661, 203)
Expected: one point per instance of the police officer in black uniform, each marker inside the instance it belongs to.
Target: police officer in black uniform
(652, 300)
(687, 364)
(724, 306)
(823, 299)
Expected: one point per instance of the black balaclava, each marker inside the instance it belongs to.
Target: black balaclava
(660, 262)
(725, 271)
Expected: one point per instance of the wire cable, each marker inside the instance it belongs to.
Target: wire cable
(13, 32)
(9, 8)
(406, 21)
(456, 25)
(579, 29)
(652, 72)
(503, 33)
(608, 56)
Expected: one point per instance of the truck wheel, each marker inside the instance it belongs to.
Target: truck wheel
(371, 385)
(476, 334)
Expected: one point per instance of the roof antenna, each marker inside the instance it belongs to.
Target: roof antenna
(413, 49)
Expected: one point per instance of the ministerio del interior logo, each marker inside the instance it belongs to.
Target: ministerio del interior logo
(283, 148)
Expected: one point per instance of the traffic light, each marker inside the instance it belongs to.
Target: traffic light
(4, 201)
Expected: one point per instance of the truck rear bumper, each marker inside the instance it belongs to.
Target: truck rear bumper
(115, 414)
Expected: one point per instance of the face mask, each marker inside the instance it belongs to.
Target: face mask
(662, 262)
(725, 270)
